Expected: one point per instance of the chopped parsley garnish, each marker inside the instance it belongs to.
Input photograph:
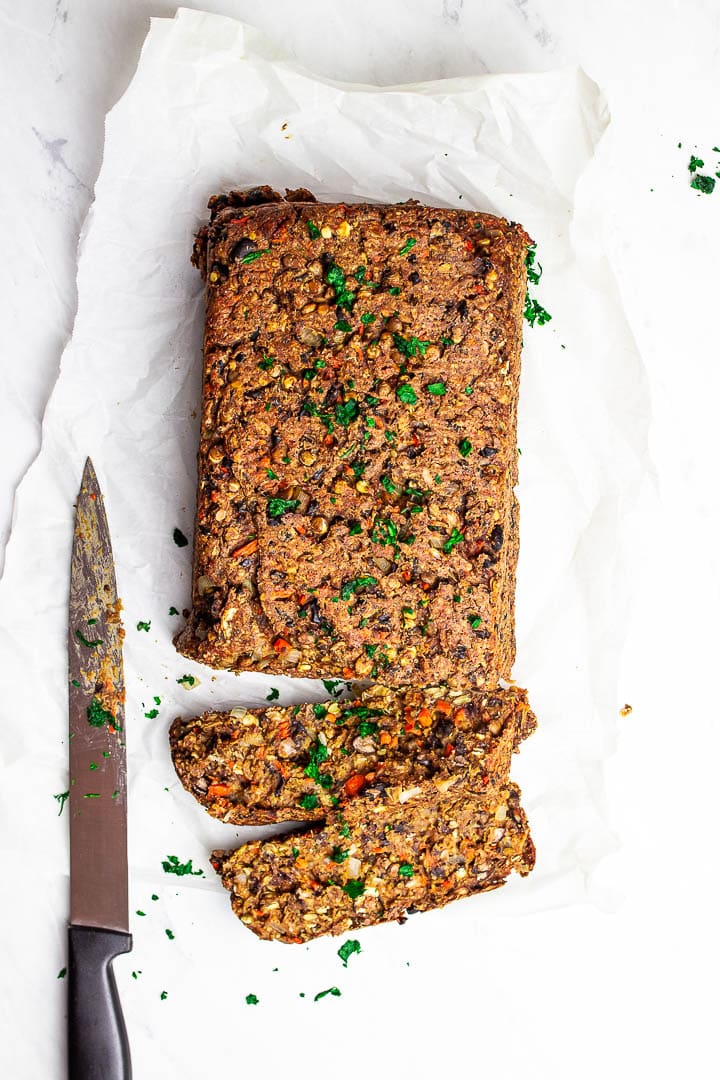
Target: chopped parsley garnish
(75, 682)
(695, 163)
(388, 485)
(406, 869)
(439, 389)
(143, 626)
(465, 447)
(411, 346)
(266, 363)
(270, 474)
(475, 621)
(336, 278)
(318, 754)
(456, 537)
(331, 685)
(446, 341)
(703, 183)
(253, 999)
(295, 852)
(344, 326)
(347, 949)
(62, 973)
(186, 680)
(173, 611)
(163, 995)
(371, 650)
(273, 695)
(152, 714)
(88, 644)
(406, 394)
(324, 993)
(253, 255)
(355, 528)
(319, 711)
(395, 290)
(93, 766)
(534, 270)
(346, 412)
(97, 716)
(367, 727)
(313, 230)
(172, 865)
(308, 802)
(353, 888)
(535, 312)
(61, 798)
(354, 584)
(170, 935)
(367, 318)
(180, 538)
(344, 829)
(277, 507)
(339, 854)
(408, 245)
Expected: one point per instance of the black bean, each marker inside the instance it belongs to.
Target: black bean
(415, 277)
(496, 538)
(487, 452)
(242, 248)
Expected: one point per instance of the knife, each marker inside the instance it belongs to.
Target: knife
(98, 930)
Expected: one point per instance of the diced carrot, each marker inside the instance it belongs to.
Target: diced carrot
(355, 784)
(218, 791)
(239, 220)
(283, 729)
(348, 673)
(459, 717)
(443, 706)
(248, 548)
(280, 645)
(425, 718)
(384, 738)
(410, 725)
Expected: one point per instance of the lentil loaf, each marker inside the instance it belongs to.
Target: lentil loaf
(357, 459)
(379, 859)
(251, 767)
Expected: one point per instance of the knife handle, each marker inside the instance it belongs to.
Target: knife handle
(97, 1040)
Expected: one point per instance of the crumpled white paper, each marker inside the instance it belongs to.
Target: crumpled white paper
(214, 105)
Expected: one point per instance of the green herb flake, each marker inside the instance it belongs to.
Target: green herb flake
(172, 865)
(142, 914)
(180, 538)
(534, 269)
(154, 896)
(61, 798)
(170, 935)
(475, 621)
(143, 626)
(367, 727)
(313, 231)
(273, 695)
(695, 163)
(408, 245)
(251, 999)
(439, 389)
(346, 412)
(75, 682)
(84, 641)
(703, 183)
(62, 973)
(406, 870)
(173, 611)
(367, 318)
(277, 507)
(152, 714)
(354, 584)
(186, 680)
(347, 949)
(344, 326)
(253, 255)
(535, 312)
(333, 686)
(308, 802)
(270, 474)
(355, 528)
(456, 537)
(339, 854)
(465, 447)
(324, 993)
(406, 394)
(266, 363)
(353, 888)
(411, 346)
(97, 716)
(163, 995)
(93, 766)
(295, 852)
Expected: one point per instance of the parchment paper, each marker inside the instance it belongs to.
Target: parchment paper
(214, 105)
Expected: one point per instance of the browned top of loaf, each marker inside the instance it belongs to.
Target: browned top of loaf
(357, 449)
(375, 862)
(298, 763)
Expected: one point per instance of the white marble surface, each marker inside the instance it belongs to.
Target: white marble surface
(591, 993)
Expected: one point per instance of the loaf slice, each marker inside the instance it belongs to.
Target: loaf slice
(376, 862)
(358, 443)
(298, 763)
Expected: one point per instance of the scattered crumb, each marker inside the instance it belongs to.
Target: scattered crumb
(626, 710)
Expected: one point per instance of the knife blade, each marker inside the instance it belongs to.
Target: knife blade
(98, 931)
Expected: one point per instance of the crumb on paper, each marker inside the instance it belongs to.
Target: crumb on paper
(626, 710)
